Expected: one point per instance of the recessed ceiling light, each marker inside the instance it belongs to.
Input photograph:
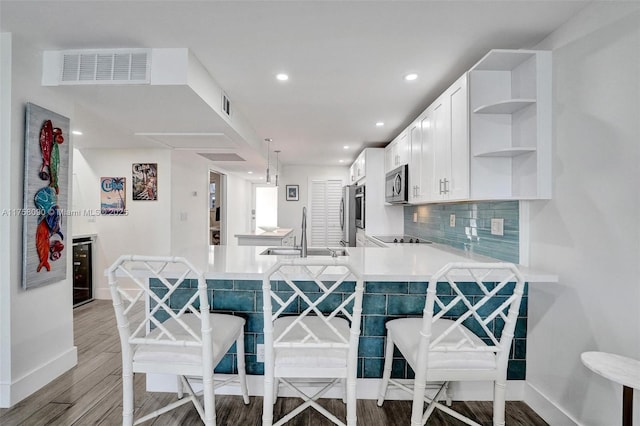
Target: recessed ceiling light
(346, 147)
(411, 77)
(76, 132)
(379, 124)
(340, 161)
(282, 77)
(250, 173)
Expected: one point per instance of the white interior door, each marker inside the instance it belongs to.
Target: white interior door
(324, 213)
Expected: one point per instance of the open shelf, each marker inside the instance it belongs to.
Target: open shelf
(507, 152)
(505, 107)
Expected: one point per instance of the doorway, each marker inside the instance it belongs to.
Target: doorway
(217, 198)
(266, 206)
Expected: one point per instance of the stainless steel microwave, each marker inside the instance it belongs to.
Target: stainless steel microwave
(397, 185)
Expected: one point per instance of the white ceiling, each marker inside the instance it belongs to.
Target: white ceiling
(345, 60)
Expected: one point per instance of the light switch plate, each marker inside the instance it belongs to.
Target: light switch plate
(452, 220)
(415, 217)
(497, 226)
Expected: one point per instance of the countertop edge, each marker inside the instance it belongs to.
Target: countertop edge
(267, 234)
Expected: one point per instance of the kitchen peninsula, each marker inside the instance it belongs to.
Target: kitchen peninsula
(395, 278)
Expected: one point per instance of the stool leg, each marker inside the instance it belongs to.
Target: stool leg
(627, 406)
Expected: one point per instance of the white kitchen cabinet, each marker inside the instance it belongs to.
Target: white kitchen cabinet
(357, 171)
(448, 135)
(380, 218)
(439, 149)
(416, 167)
(510, 125)
(288, 240)
(397, 152)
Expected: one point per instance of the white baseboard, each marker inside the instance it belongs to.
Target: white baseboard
(102, 293)
(24, 386)
(366, 388)
(546, 409)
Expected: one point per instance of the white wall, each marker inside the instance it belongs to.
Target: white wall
(189, 202)
(146, 229)
(176, 224)
(290, 212)
(36, 330)
(589, 232)
(5, 220)
(238, 211)
(190, 213)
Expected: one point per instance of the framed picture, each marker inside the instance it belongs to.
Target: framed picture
(46, 195)
(292, 192)
(113, 199)
(144, 181)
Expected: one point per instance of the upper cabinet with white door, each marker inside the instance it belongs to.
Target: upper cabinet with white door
(417, 168)
(487, 137)
(448, 137)
(357, 171)
(510, 125)
(397, 152)
(439, 149)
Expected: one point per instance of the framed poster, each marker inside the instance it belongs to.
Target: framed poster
(292, 192)
(46, 195)
(144, 181)
(113, 199)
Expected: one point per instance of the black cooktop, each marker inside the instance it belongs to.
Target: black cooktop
(406, 239)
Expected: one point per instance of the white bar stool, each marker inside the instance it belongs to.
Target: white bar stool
(620, 369)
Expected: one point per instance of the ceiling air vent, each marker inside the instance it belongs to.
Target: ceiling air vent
(105, 66)
(226, 105)
(222, 156)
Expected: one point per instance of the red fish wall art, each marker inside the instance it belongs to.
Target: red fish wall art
(46, 190)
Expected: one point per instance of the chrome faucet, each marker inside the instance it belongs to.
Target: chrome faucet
(303, 237)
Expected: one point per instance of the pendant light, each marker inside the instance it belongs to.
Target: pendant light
(277, 165)
(268, 140)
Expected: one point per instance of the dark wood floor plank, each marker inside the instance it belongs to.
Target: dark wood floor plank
(43, 415)
(91, 393)
(87, 401)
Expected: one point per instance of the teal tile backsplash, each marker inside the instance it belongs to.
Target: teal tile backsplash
(472, 231)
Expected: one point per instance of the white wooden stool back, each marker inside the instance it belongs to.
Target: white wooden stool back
(140, 269)
(171, 340)
(311, 337)
(465, 334)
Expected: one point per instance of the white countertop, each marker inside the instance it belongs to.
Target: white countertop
(259, 233)
(398, 262)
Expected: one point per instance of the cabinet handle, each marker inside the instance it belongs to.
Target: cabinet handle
(440, 186)
(446, 186)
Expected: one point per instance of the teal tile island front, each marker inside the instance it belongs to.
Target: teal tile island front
(396, 279)
(382, 301)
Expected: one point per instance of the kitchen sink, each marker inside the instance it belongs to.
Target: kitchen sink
(312, 251)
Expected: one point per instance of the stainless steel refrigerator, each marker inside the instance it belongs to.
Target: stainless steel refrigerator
(348, 216)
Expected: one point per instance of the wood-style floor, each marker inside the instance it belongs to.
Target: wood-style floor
(91, 393)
